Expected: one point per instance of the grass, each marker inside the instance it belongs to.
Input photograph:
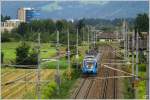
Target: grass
(9, 49)
(19, 90)
(66, 85)
(53, 64)
(141, 85)
(128, 90)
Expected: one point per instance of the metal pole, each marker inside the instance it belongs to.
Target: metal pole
(77, 56)
(133, 52)
(96, 36)
(94, 39)
(68, 52)
(136, 90)
(58, 52)
(128, 45)
(137, 59)
(58, 72)
(83, 35)
(147, 68)
(88, 40)
(38, 70)
(124, 39)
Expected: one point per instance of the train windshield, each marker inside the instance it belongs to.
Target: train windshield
(89, 64)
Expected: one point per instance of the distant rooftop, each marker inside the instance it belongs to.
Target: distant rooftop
(13, 20)
(28, 8)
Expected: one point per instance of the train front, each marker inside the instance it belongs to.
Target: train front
(89, 66)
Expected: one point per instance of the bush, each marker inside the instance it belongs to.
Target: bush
(5, 37)
(24, 57)
(33, 58)
(2, 57)
(49, 90)
(142, 67)
(22, 53)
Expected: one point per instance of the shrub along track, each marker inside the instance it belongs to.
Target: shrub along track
(99, 87)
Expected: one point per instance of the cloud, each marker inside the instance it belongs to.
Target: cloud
(54, 6)
(93, 2)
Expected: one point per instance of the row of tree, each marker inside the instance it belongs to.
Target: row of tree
(4, 18)
(48, 27)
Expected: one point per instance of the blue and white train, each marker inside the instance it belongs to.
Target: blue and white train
(91, 64)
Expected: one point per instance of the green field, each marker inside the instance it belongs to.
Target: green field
(47, 51)
(9, 50)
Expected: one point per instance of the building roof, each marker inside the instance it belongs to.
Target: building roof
(28, 8)
(102, 35)
(13, 20)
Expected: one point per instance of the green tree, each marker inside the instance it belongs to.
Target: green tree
(4, 18)
(22, 53)
(61, 25)
(142, 23)
(2, 57)
(23, 29)
(24, 57)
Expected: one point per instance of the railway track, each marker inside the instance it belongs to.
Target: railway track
(83, 90)
(115, 86)
(104, 88)
(105, 84)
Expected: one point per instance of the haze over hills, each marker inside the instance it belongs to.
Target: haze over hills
(78, 9)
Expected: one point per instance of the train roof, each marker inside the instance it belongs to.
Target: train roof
(92, 57)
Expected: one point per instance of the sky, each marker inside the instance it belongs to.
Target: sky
(78, 9)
